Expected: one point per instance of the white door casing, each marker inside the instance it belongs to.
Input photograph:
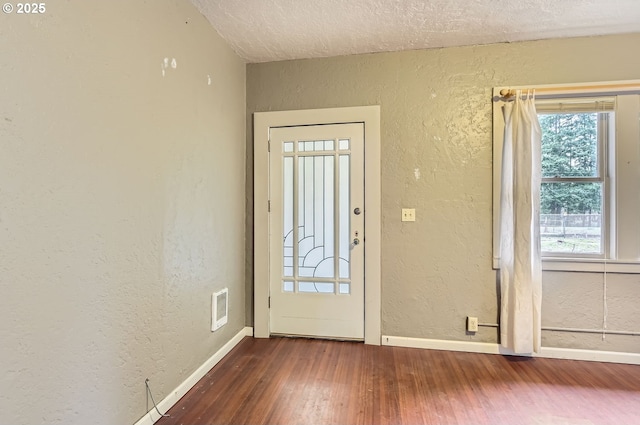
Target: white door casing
(264, 122)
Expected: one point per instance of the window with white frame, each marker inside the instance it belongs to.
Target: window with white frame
(590, 190)
(576, 142)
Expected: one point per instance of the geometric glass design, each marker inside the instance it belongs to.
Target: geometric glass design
(316, 217)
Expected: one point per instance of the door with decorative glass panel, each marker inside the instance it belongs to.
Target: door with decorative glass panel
(317, 230)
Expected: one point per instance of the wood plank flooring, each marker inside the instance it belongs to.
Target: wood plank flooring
(304, 381)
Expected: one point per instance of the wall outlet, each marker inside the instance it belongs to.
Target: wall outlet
(408, 214)
(472, 324)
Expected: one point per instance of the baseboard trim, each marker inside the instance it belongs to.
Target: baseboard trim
(493, 348)
(590, 355)
(152, 416)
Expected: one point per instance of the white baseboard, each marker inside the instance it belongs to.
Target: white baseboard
(493, 348)
(167, 403)
(590, 355)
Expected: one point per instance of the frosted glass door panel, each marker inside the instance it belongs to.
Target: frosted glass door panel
(319, 287)
(316, 226)
(344, 214)
(287, 194)
(311, 186)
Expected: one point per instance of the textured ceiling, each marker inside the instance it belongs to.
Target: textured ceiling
(271, 30)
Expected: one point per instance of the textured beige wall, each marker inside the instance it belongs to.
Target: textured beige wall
(436, 150)
(121, 206)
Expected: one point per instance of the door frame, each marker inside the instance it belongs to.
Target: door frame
(262, 123)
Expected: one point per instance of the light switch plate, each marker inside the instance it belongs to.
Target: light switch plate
(408, 214)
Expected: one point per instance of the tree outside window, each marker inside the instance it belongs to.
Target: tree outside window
(571, 195)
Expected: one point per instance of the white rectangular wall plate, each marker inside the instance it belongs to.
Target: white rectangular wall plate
(219, 309)
(408, 214)
(472, 324)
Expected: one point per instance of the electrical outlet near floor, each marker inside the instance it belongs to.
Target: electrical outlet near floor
(472, 324)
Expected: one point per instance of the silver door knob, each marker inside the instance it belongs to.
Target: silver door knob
(356, 211)
(356, 241)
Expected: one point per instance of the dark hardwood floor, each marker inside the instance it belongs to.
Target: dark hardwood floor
(303, 381)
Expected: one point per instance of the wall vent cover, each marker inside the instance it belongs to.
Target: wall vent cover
(219, 309)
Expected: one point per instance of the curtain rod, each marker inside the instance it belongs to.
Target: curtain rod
(576, 90)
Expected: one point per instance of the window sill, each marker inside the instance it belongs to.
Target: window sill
(585, 265)
(589, 265)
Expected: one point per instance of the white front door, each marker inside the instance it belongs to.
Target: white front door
(316, 230)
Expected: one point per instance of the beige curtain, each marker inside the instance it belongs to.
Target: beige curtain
(520, 264)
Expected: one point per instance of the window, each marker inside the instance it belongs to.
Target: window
(575, 145)
(590, 190)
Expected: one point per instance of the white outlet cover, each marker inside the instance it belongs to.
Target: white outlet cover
(408, 214)
(472, 324)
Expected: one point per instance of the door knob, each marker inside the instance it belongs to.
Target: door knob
(356, 241)
(356, 211)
